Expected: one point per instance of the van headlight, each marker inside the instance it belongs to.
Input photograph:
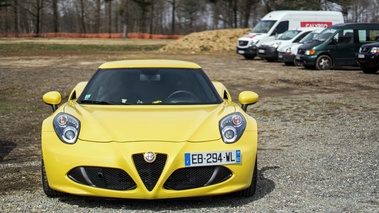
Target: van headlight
(310, 52)
(66, 127)
(232, 127)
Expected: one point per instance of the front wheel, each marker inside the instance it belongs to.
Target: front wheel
(45, 184)
(369, 70)
(250, 191)
(249, 57)
(324, 62)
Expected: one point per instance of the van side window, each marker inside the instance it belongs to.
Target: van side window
(365, 36)
(345, 36)
(281, 28)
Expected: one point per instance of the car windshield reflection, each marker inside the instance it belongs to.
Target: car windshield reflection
(149, 86)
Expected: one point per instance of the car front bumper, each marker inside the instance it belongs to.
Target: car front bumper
(306, 60)
(115, 169)
(368, 59)
(250, 51)
(268, 52)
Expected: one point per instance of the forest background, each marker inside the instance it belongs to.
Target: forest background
(120, 18)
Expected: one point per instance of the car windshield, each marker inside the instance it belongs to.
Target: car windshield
(150, 86)
(288, 35)
(308, 37)
(325, 34)
(263, 27)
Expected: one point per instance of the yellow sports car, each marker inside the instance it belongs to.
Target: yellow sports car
(149, 129)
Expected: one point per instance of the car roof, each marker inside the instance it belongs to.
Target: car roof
(149, 63)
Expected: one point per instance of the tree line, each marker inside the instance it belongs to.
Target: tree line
(171, 17)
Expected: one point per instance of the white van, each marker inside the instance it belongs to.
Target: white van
(277, 22)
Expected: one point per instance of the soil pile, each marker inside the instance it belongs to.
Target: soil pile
(214, 41)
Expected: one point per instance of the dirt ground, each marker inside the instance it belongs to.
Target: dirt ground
(25, 78)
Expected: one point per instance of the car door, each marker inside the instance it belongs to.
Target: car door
(346, 45)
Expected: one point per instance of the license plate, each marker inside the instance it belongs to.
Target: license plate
(261, 51)
(241, 51)
(361, 56)
(212, 158)
(280, 56)
(297, 56)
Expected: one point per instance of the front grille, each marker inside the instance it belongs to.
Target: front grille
(364, 49)
(195, 177)
(107, 178)
(301, 51)
(149, 172)
(242, 43)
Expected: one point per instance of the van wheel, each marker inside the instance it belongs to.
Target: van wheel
(369, 70)
(324, 62)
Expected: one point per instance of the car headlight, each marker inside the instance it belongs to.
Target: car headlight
(374, 50)
(232, 127)
(310, 52)
(288, 50)
(66, 127)
(276, 45)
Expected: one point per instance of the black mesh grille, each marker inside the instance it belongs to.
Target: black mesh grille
(301, 51)
(149, 172)
(195, 177)
(107, 178)
(243, 43)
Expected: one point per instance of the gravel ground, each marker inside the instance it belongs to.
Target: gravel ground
(318, 143)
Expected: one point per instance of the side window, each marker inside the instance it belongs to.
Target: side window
(281, 28)
(345, 36)
(301, 37)
(368, 36)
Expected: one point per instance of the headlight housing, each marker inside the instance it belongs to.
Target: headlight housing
(288, 50)
(66, 127)
(232, 127)
(310, 52)
(374, 50)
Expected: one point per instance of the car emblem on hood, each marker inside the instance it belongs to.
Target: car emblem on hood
(149, 157)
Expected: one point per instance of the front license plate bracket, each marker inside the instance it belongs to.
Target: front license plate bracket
(212, 158)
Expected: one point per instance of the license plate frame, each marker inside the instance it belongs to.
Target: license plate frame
(192, 159)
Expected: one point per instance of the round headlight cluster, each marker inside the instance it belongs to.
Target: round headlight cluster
(232, 127)
(66, 127)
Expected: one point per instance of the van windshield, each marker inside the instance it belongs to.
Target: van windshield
(325, 34)
(288, 35)
(263, 27)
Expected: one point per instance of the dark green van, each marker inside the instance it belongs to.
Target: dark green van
(337, 45)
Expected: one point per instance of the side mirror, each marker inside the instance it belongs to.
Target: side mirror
(53, 99)
(247, 98)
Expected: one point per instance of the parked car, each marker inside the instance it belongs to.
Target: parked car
(269, 50)
(149, 129)
(287, 53)
(337, 45)
(274, 23)
(368, 57)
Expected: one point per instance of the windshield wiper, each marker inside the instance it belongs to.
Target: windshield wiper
(102, 102)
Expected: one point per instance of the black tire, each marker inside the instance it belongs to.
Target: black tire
(45, 184)
(250, 191)
(369, 70)
(287, 63)
(249, 57)
(324, 62)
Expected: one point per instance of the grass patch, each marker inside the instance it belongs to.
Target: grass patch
(37, 47)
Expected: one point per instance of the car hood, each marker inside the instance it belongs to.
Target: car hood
(104, 123)
(310, 44)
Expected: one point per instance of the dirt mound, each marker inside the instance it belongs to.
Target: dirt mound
(206, 42)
